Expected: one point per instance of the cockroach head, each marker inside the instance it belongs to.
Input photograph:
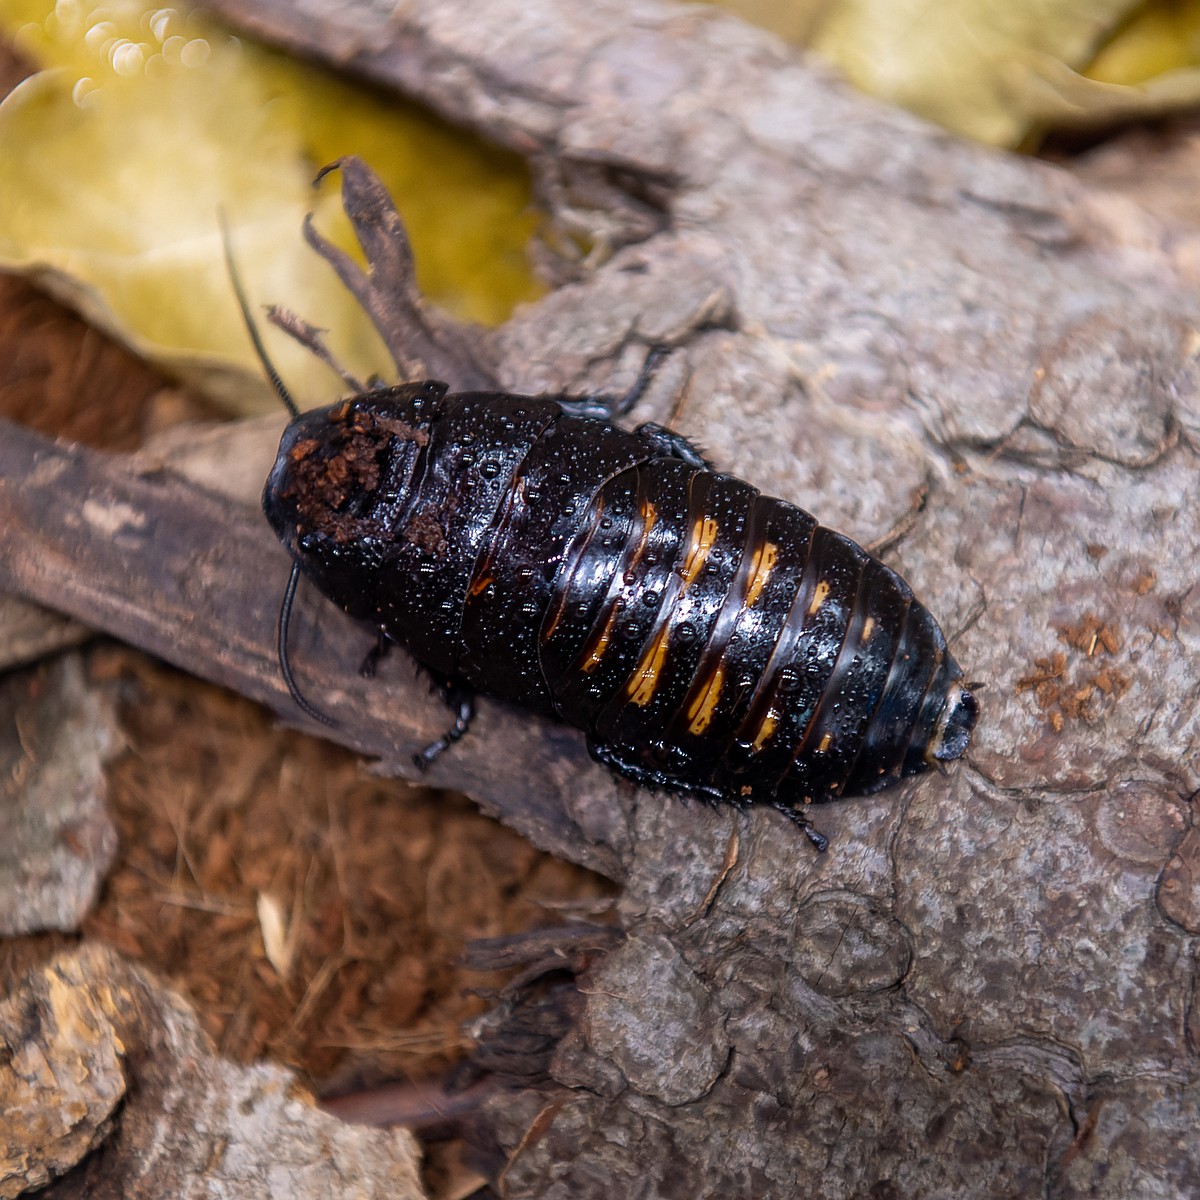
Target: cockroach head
(341, 479)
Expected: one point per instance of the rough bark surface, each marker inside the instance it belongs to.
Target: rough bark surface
(29, 632)
(98, 1059)
(989, 985)
(57, 840)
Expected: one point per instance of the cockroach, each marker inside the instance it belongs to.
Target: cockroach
(705, 638)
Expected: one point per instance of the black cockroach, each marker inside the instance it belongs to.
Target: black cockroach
(706, 638)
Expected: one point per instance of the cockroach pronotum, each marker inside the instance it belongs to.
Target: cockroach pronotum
(704, 637)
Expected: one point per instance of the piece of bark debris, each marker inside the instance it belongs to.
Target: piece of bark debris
(61, 1077)
(95, 1052)
(29, 632)
(56, 839)
(1070, 688)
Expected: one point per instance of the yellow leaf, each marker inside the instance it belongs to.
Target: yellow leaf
(1001, 70)
(1159, 38)
(963, 63)
(115, 160)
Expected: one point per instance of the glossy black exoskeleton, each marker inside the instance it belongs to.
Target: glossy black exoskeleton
(705, 637)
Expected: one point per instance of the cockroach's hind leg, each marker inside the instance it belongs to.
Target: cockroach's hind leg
(462, 701)
(605, 407)
(376, 655)
(654, 357)
(674, 444)
(819, 840)
(619, 759)
(625, 761)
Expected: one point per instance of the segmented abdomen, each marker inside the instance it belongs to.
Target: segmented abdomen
(715, 639)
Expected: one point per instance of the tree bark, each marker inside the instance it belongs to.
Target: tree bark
(108, 1081)
(988, 985)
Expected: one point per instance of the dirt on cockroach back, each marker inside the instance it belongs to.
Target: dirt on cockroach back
(327, 472)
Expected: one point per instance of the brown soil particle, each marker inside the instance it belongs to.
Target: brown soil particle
(1079, 686)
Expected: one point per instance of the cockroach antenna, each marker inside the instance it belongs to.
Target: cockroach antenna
(251, 328)
(289, 594)
(285, 666)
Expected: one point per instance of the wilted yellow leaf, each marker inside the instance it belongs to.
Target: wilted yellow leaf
(1159, 38)
(115, 160)
(999, 70)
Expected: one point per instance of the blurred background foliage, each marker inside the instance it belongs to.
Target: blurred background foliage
(1004, 71)
(140, 123)
(143, 122)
